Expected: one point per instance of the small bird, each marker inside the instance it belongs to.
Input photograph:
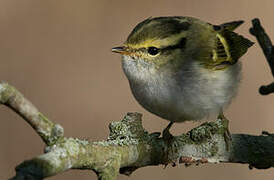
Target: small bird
(182, 68)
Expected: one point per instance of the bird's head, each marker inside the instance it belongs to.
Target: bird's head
(174, 41)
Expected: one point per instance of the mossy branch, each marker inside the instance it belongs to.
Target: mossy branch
(129, 146)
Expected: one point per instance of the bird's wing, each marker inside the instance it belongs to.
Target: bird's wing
(229, 47)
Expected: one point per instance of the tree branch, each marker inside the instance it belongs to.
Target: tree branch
(47, 130)
(129, 146)
(258, 31)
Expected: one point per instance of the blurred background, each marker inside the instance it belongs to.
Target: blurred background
(57, 53)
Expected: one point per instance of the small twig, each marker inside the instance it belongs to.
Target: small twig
(267, 47)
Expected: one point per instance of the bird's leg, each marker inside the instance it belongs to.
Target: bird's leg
(227, 135)
(166, 134)
(168, 140)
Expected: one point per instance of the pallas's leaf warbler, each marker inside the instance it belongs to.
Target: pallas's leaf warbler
(182, 68)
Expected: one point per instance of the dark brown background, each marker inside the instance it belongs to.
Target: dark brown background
(57, 53)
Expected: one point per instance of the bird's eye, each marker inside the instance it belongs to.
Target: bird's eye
(153, 51)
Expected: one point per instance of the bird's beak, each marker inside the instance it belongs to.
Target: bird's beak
(120, 50)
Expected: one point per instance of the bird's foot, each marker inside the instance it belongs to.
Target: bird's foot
(170, 147)
(167, 136)
(227, 135)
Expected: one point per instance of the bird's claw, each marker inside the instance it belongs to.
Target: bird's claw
(167, 136)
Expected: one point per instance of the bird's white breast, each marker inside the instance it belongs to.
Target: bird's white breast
(192, 93)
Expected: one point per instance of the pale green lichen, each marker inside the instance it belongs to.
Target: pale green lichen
(82, 142)
(47, 164)
(213, 150)
(6, 92)
(118, 142)
(60, 156)
(206, 131)
(44, 133)
(57, 131)
(129, 131)
(119, 130)
(72, 146)
(51, 132)
(57, 159)
(184, 139)
(200, 141)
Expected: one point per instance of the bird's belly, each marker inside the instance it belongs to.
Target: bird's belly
(191, 98)
(172, 105)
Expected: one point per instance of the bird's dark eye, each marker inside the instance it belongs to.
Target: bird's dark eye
(153, 51)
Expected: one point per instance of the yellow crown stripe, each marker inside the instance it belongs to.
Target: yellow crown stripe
(158, 43)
